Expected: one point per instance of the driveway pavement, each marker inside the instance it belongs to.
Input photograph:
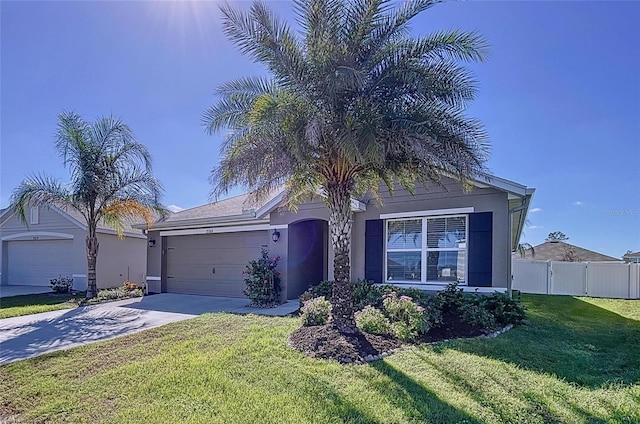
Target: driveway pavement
(32, 335)
(8, 291)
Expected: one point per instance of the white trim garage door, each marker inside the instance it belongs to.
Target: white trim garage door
(35, 262)
(211, 264)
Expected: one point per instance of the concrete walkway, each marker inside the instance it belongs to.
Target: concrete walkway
(32, 335)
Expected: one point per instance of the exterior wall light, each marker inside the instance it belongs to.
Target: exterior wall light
(152, 243)
(275, 236)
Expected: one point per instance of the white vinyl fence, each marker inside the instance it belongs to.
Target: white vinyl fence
(597, 279)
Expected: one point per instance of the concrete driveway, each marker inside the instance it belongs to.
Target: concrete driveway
(9, 291)
(32, 335)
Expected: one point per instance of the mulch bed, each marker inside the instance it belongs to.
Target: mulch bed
(326, 342)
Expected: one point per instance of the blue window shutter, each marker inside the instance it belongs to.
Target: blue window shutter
(480, 249)
(373, 249)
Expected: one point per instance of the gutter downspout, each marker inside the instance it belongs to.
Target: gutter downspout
(524, 206)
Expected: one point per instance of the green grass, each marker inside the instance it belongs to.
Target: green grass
(35, 303)
(575, 362)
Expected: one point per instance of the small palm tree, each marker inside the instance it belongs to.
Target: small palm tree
(111, 180)
(352, 102)
(523, 248)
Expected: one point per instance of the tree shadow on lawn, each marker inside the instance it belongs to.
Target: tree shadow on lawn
(570, 338)
(418, 402)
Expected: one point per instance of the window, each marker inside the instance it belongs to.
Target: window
(35, 215)
(425, 250)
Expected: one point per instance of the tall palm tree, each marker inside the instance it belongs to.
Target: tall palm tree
(111, 180)
(352, 101)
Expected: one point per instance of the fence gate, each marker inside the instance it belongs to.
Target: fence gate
(597, 279)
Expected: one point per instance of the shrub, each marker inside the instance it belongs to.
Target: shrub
(316, 311)
(262, 279)
(111, 294)
(450, 299)
(130, 286)
(366, 293)
(432, 315)
(372, 321)
(61, 284)
(323, 288)
(405, 315)
(505, 310)
(474, 312)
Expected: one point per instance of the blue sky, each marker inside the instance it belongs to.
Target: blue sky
(559, 95)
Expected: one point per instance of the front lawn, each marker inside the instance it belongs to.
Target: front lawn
(35, 303)
(576, 362)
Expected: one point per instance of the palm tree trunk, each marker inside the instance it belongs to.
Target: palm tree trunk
(92, 258)
(339, 203)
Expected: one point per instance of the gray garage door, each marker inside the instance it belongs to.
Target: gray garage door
(34, 263)
(211, 264)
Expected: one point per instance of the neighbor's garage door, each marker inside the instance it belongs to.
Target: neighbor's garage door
(34, 263)
(211, 264)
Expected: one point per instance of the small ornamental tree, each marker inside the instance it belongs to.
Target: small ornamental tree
(111, 181)
(262, 279)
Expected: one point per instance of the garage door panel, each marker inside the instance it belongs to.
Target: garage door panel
(191, 261)
(220, 255)
(34, 263)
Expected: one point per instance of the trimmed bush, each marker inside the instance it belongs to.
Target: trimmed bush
(116, 293)
(61, 284)
(323, 288)
(505, 310)
(450, 299)
(316, 311)
(474, 312)
(371, 320)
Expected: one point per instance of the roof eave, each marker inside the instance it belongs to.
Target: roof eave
(204, 222)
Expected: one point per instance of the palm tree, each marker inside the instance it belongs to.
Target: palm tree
(523, 248)
(111, 180)
(352, 102)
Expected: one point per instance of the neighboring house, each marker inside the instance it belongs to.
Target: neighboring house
(427, 240)
(52, 243)
(562, 251)
(632, 257)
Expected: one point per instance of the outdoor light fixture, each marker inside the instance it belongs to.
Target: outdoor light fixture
(152, 242)
(275, 236)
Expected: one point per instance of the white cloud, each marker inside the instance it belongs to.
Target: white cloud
(534, 227)
(175, 208)
(578, 203)
(535, 210)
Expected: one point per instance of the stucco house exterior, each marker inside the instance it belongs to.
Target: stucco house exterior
(52, 244)
(564, 252)
(632, 257)
(428, 240)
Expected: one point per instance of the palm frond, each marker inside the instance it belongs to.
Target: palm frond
(523, 248)
(39, 190)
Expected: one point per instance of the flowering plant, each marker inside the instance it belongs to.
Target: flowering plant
(405, 315)
(262, 279)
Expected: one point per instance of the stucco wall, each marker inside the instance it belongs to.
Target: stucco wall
(452, 196)
(120, 259)
(154, 255)
(50, 221)
(482, 200)
(116, 258)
